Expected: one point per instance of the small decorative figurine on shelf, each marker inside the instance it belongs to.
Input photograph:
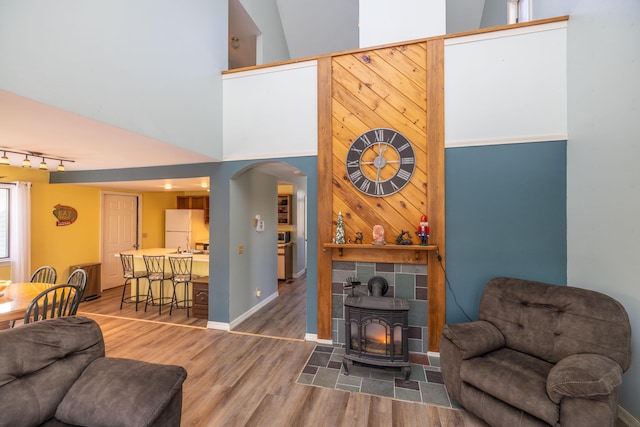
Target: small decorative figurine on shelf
(358, 237)
(423, 230)
(400, 240)
(340, 230)
(378, 235)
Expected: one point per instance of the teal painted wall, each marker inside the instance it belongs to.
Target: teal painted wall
(505, 216)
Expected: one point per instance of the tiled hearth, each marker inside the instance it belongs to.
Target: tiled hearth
(324, 369)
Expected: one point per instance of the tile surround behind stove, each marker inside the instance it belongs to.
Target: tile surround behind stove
(408, 281)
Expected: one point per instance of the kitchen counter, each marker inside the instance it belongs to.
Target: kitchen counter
(197, 257)
(285, 261)
(199, 268)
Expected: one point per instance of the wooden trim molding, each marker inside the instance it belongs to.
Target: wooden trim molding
(436, 289)
(324, 198)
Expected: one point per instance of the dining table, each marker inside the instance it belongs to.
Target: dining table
(15, 298)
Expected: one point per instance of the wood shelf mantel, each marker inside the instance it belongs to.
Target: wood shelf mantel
(371, 247)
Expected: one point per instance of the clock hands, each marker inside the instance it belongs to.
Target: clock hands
(380, 160)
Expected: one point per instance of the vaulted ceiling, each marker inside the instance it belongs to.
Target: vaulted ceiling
(310, 28)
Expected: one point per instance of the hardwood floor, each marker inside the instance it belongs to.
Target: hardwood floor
(245, 380)
(247, 377)
(286, 316)
(283, 317)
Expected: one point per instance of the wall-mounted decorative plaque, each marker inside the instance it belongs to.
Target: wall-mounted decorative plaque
(66, 215)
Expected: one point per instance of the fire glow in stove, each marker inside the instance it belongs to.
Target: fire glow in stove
(376, 329)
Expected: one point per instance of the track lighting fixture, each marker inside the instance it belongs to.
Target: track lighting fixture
(26, 162)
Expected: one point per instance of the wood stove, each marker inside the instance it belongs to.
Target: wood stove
(376, 332)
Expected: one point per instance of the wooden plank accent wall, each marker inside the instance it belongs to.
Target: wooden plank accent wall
(400, 87)
(382, 88)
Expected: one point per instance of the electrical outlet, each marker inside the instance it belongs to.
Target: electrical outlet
(258, 292)
(240, 249)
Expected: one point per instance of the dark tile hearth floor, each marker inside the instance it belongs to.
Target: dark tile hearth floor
(324, 369)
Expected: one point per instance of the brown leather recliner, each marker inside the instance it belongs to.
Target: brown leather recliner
(539, 355)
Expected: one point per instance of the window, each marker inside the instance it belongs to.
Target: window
(4, 222)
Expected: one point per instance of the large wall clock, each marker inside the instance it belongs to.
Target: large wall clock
(380, 162)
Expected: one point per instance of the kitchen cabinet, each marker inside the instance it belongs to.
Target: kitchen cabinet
(93, 288)
(284, 209)
(200, 306)
(285, 261)
(195, 202)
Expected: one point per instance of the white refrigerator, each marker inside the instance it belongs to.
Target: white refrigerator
(184, 227)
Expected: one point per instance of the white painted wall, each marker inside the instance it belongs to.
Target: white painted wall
(507, 86)
(272, 45)
(271, 113)
(384, 21)
(464, 15)
(150, 67)
(603, 177)
(318, 27)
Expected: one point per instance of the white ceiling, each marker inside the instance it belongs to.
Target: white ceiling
(90, 143)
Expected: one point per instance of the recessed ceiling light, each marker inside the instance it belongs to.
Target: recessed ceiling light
(168, 186)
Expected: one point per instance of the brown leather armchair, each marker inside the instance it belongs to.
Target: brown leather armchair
(539, 355)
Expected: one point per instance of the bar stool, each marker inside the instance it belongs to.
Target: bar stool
(181, 271)
(129, 273)
(156, 273)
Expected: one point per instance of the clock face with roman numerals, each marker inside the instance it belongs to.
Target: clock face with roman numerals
(380, 162)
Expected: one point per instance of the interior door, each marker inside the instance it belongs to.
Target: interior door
(120, 231)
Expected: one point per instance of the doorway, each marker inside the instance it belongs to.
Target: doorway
(277, 191)
(121, 213)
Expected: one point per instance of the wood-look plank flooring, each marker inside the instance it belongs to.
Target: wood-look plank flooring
(283, 317)
(247, 380)
(247, 377)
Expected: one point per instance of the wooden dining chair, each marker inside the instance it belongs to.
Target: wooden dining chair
(44, 274)
(57, 301)
(78, 278)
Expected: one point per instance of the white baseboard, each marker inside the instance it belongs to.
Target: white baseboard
(311, 337)
(300, 273)
(628, 419)
(217, 325)
(244, 316)
(324, 342)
